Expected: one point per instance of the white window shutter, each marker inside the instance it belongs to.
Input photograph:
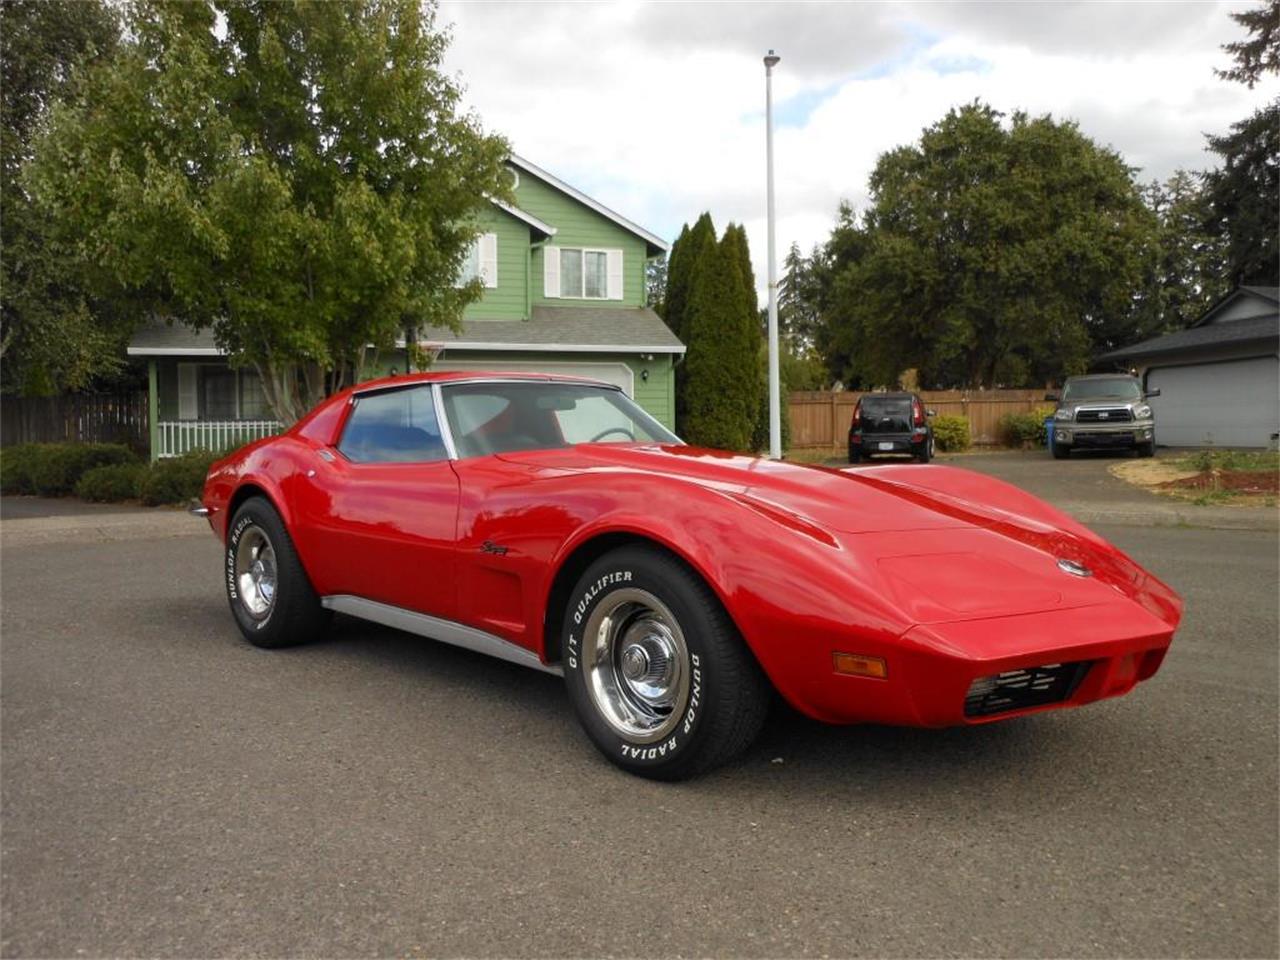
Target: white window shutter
(551, 271)
(489, 259)
(613, 259)
(188, 395)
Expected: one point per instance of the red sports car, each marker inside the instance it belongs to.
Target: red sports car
(551, 522)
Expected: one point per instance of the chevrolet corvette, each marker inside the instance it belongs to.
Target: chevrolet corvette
(551, 522)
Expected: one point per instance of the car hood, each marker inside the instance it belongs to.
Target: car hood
(836, 500)
(977, 547)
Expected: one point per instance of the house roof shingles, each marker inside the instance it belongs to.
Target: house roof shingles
(549, 330)
(1258, 329)
(570, 329)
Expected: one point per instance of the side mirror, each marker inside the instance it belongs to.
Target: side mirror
(1153, 393)
(1051, 397)
(930, 413)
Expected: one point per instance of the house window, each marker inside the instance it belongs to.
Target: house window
(481, 262)
(210, 391)
(217, 393)
(584, 274)
(253, 399)
(580, 273)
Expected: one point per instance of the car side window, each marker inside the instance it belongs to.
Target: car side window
(394, 426)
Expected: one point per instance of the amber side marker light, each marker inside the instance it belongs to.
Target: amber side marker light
(855, 665)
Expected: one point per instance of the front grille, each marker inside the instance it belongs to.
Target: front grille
(1122, 439)
(1020, 689)
(1109, 415)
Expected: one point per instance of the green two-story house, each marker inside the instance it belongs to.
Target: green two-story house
(564, 292)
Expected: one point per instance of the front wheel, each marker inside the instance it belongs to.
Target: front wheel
(1147, 449)
(1060, 452)
(269, 592)
(659, 677)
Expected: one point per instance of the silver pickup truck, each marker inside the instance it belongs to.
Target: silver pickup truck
(1103, 411)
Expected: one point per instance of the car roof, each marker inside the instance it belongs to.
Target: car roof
(471, 376)
(1101, 376)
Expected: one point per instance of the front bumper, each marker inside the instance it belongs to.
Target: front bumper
(932, 669)
(1067, 433)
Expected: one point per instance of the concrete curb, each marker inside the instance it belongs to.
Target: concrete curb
(101, 528)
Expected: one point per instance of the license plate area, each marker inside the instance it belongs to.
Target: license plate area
(885, 446)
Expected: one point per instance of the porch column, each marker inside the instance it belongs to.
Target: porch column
(153, 409)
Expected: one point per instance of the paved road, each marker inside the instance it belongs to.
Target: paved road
(168, 790)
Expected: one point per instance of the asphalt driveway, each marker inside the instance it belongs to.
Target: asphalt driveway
(168, 790)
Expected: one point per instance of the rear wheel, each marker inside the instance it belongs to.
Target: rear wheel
(926, 451)
(855, 455)
(659, 677)
(1060, 452)
(269, 593)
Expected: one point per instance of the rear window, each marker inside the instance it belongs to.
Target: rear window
(886, 414)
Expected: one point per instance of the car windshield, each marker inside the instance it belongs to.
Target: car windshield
(505, 416)
(1110, 388)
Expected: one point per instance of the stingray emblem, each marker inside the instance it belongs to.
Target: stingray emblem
(1075, 569)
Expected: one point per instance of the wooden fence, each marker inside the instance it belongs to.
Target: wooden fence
(821, 419)
(90, 418)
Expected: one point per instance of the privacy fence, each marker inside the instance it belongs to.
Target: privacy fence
(821, 419)
(89, 418)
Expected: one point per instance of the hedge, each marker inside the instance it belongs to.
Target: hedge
(102, 471)
(1024, 429)
(54, 469)
(176, 479)
(112, 483)
(951, 433)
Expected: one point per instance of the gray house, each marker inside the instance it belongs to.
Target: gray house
(1219, 380)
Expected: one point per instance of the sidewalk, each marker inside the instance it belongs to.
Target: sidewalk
(26, 521)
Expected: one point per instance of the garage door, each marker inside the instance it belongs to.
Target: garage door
(618, 374)
(1228, 404)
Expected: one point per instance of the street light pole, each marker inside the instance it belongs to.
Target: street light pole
(775, 411)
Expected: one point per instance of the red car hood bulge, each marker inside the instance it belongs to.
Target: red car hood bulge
(834, 500)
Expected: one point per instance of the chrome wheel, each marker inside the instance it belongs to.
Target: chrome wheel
(255, 572)
(636, 665)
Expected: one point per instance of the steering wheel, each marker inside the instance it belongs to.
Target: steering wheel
(622, 430)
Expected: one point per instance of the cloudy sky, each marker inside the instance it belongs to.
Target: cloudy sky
(657, 108)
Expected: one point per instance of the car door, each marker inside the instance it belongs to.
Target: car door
(382, 503)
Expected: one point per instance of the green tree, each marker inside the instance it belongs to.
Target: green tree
(1244, 197)
(655, 283)
(685, 252)
(1244, 193)
(723, 361)
(1190, 272)
(297, 176)
(1260, 53)
(995, 254)
(54, 333)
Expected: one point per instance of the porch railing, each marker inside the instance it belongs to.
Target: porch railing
(176, 437)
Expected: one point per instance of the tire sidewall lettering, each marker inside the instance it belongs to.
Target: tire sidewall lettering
(632, 752)
(233, 539)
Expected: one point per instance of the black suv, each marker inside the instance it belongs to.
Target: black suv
(890, 423)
